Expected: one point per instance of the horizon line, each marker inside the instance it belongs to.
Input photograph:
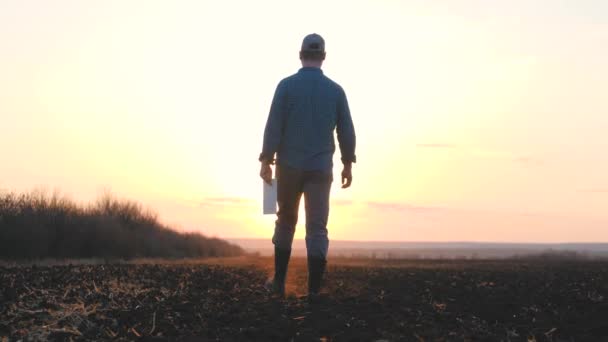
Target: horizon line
(422, 241)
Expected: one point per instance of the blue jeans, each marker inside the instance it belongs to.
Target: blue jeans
(315, 185)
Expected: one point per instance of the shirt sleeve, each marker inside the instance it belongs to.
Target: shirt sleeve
(274, 124)
(346, 130)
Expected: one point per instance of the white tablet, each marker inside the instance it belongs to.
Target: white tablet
(270, 197)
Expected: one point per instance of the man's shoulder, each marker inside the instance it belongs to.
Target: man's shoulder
(289, 78)
(333, 84)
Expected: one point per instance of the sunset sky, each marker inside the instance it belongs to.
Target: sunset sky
(476, 120)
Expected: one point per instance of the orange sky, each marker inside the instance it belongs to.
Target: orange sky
(476, 120)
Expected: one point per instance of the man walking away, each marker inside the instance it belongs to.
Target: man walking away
(306, 109)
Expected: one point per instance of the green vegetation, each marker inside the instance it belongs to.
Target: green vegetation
(37, 225)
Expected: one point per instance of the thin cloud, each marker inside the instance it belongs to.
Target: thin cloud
(226, 201)
(342, 202)
(436, 145)
(595, 190)
(529, 214)
(394, 206)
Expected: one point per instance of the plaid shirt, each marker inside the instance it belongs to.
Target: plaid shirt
(306, 109)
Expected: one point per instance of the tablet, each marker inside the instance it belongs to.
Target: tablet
(270, 197)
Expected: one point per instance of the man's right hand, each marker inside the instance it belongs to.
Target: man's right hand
(347, 176)
(266, 173)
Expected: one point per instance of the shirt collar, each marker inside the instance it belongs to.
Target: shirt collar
(311, 69)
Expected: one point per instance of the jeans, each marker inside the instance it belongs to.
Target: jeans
(315, 185)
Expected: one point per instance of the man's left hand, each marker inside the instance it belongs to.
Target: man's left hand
(266, 173)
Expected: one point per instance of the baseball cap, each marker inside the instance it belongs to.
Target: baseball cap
(313, 43)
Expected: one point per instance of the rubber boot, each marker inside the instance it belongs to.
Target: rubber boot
(316, 269)
(281, 260)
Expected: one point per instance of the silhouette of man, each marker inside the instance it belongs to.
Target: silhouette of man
(306, 109)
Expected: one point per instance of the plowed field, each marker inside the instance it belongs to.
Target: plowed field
(224, 299)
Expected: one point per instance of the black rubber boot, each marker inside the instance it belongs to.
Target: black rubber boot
(281, 260)
(316, 269)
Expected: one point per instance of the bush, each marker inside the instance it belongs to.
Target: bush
(36, 225)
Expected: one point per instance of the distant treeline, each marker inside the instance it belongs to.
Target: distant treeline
(455, 254)
(37, 225)
(560, 255)
(473, 254)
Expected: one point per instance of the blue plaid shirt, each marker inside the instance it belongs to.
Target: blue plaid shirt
(306, 109)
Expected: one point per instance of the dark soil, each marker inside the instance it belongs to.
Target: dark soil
(415, 301)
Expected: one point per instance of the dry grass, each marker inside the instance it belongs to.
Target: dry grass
(37, 225)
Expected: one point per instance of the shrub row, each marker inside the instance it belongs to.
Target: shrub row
(37, 225)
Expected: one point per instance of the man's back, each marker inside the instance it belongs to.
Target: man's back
(306, 109)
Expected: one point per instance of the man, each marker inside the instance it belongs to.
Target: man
(306, 109)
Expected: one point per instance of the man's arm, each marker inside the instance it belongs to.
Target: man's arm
(273, 131)
(346, 139)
